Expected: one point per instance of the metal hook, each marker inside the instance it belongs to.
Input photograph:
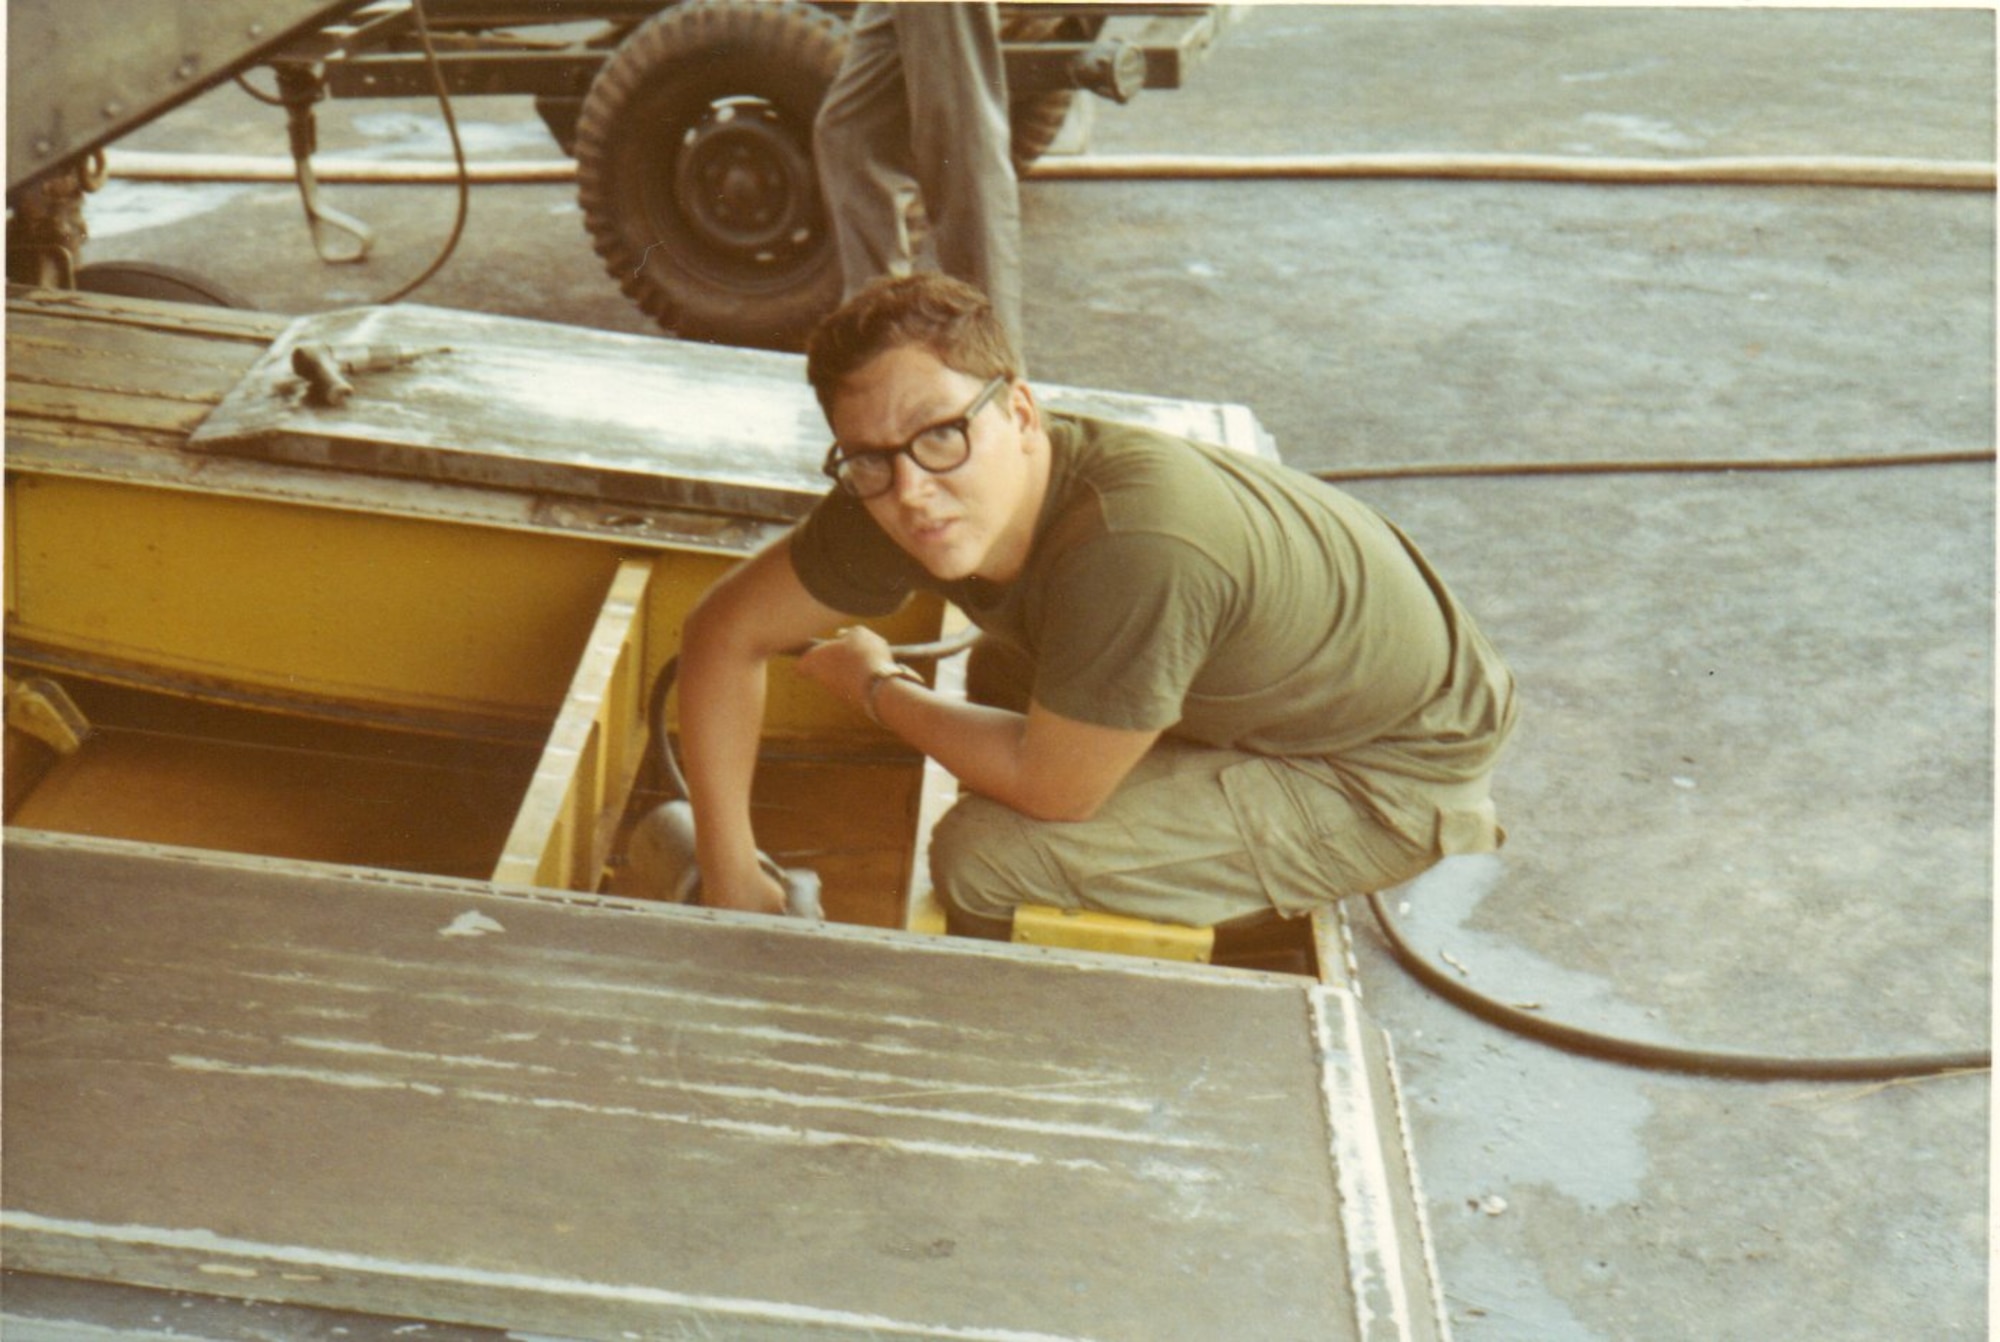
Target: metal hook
(300, 86)
(320, 217)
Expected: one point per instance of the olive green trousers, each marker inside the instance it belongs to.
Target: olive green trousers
(1201, 836)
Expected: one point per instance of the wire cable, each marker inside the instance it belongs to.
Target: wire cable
(464, 206)
(663, 684)
(1875, 173)
(1653, 466)
(1744, 170)
(1570, 1038)
(1614, 1048)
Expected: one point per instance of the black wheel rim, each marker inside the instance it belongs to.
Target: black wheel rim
(741, 189)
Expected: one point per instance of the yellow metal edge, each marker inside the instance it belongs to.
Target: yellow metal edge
(563, 829)
(1088, 930)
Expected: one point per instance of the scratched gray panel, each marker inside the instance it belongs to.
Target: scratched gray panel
(498, 401)
(428, 1099)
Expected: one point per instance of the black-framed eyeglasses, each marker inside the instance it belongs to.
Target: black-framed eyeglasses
(870, 472)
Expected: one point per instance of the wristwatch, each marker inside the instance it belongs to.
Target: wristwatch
(893, 671)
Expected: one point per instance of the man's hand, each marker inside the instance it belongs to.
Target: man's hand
(755, 891)
(845, 663)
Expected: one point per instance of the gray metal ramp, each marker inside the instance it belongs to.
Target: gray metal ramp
(443, 1100)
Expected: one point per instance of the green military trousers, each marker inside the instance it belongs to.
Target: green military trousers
(1201, 836)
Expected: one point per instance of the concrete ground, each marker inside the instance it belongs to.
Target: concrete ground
(1751, 795)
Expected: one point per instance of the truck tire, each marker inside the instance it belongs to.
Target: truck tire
(166, 284)
(1035, 120)
(695, 171)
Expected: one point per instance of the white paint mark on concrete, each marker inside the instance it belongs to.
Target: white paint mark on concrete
(1648, 131)
(121, 207)
(1626, 71)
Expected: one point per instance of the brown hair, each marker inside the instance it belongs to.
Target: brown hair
(948, 317)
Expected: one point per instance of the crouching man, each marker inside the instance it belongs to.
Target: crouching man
(1210, 688)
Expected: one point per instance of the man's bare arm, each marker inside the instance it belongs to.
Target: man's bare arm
(756, 612)
(1039, 763)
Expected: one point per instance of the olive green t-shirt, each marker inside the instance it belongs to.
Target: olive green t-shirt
(1217, 596)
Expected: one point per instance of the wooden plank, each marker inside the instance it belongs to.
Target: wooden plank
(103, 406)
(499, 401)
(441, 1100)
(563, 831)
(176, 368)
(66, 448)
(143, 373)
(256, 328)
(107, 367)
(179, 331)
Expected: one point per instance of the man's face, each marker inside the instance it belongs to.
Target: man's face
(976, 520)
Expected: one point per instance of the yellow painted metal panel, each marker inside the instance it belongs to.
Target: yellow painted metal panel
(309, 604)
(795, 706)
(1084, 930)
(324, 606)
(13, 564)
(441, 810)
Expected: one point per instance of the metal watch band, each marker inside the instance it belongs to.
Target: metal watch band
(897, 671)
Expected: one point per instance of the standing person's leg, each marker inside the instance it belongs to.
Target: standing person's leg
(861, 146)
(961, 142)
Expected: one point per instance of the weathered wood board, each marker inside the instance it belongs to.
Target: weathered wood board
(442, 1100)
(502, 402)
(205, 399)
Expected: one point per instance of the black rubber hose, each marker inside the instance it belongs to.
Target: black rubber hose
(1665, 1057)
(1571, 1038)
(1658, 466)
(464, 203)
(663, 684)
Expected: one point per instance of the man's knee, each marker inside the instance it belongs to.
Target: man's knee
(983, 864)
